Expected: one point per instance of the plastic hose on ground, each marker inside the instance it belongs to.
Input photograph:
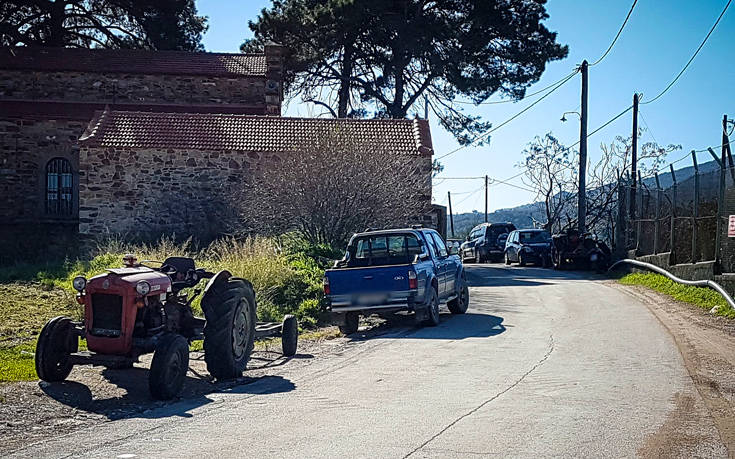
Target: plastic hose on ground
(700, 283)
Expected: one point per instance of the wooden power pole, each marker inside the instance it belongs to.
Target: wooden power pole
(634, 158)
(582, 198)
(486, 199)
(451, 216)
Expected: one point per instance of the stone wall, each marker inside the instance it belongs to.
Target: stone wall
(155, 191)
(25, 148)
(132, 88)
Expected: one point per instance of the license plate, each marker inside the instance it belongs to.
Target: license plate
(369, 299)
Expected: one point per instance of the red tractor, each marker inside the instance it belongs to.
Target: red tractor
(138, 309)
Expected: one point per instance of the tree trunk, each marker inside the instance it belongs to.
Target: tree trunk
(344, 85)
(57, 33)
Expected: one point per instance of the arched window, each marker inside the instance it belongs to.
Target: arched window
(59, 201)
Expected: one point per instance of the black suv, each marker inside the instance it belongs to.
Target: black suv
(528, 245)
(486, 242)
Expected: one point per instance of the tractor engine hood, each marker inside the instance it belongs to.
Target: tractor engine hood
(124, 280)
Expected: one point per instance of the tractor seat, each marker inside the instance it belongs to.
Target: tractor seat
(181, 264)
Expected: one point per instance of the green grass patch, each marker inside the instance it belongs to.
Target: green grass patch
(286, 275)
(703, 297)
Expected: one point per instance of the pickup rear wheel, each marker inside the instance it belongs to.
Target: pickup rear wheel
(352, 323)
(432, 309)
(459, 305)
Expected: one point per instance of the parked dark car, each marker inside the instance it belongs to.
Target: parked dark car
(528, 246)
(486, 242)
(388, 271)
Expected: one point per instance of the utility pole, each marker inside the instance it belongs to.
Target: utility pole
(582, 198)
(486, 199)
(634, 157)
(451, 216)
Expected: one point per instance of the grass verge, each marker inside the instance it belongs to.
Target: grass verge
(702, 297)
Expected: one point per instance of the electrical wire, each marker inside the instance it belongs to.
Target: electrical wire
(648, 129)
(701, 45)
(607, 123)
(486, 134)
(616, 36)
(526, 96)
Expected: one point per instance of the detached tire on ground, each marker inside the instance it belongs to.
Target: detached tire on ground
(229, 333)
(352, 323)
(169, 366)
(289, 335)
(55, 342)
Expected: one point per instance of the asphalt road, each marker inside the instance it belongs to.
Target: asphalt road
(543, 364)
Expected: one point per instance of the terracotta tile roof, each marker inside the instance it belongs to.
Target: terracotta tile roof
(120, 129)
(133, 61)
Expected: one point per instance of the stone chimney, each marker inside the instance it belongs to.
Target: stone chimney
(274, 56)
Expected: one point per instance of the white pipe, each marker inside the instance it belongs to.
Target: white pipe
(701, 283)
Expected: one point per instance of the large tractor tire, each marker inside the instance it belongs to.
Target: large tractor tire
(460, 304)
(229, 333)
(169, 366)
(352, 323)
(55, 343)
(289, 335)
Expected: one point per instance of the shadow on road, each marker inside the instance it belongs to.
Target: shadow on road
(452, 327)
(498, 275)
(136, 402)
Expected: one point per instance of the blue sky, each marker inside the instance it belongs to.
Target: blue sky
(658, 40)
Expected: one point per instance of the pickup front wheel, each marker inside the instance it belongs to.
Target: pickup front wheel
(352, 322)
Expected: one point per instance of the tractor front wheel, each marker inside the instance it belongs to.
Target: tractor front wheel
(55, 343)
(169, 366)
(229, 333)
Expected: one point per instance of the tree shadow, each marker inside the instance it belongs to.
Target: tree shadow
(136, 402)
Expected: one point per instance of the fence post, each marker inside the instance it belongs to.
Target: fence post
(672, 256)
(720, 202)
(657, 223)
(695, 212)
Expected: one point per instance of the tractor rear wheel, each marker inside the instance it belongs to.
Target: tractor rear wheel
(289, 335)
(56, 342)
(229, 333)
(169, 366)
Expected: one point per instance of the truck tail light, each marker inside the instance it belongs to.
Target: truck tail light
(413, 282)
(326, 285)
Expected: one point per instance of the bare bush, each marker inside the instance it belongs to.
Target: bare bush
(335, 187)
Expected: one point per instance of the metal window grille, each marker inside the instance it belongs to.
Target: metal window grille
(59, 189)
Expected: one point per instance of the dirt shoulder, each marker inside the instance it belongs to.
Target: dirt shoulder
(707, 347)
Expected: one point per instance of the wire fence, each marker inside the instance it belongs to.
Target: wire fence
(686, 216)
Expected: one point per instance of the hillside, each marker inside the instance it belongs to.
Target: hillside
(522, 216)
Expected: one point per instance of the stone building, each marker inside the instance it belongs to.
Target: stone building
(157, 122)
(162, 172)
(49, 95)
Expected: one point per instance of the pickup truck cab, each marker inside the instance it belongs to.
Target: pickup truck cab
(395, 270)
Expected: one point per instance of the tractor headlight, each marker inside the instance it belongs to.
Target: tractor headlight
(79, 283)
(143, 288)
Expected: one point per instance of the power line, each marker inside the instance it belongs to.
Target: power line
(607, 123)
(701, 45)
(648, 129)
(486, 134)
(616, 36)
(526, 96)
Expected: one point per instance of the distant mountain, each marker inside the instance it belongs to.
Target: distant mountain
(522, 216)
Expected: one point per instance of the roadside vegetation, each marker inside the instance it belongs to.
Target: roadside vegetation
(698, 296)
(286, 273)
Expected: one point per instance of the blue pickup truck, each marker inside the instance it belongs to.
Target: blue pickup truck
(388, 271)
